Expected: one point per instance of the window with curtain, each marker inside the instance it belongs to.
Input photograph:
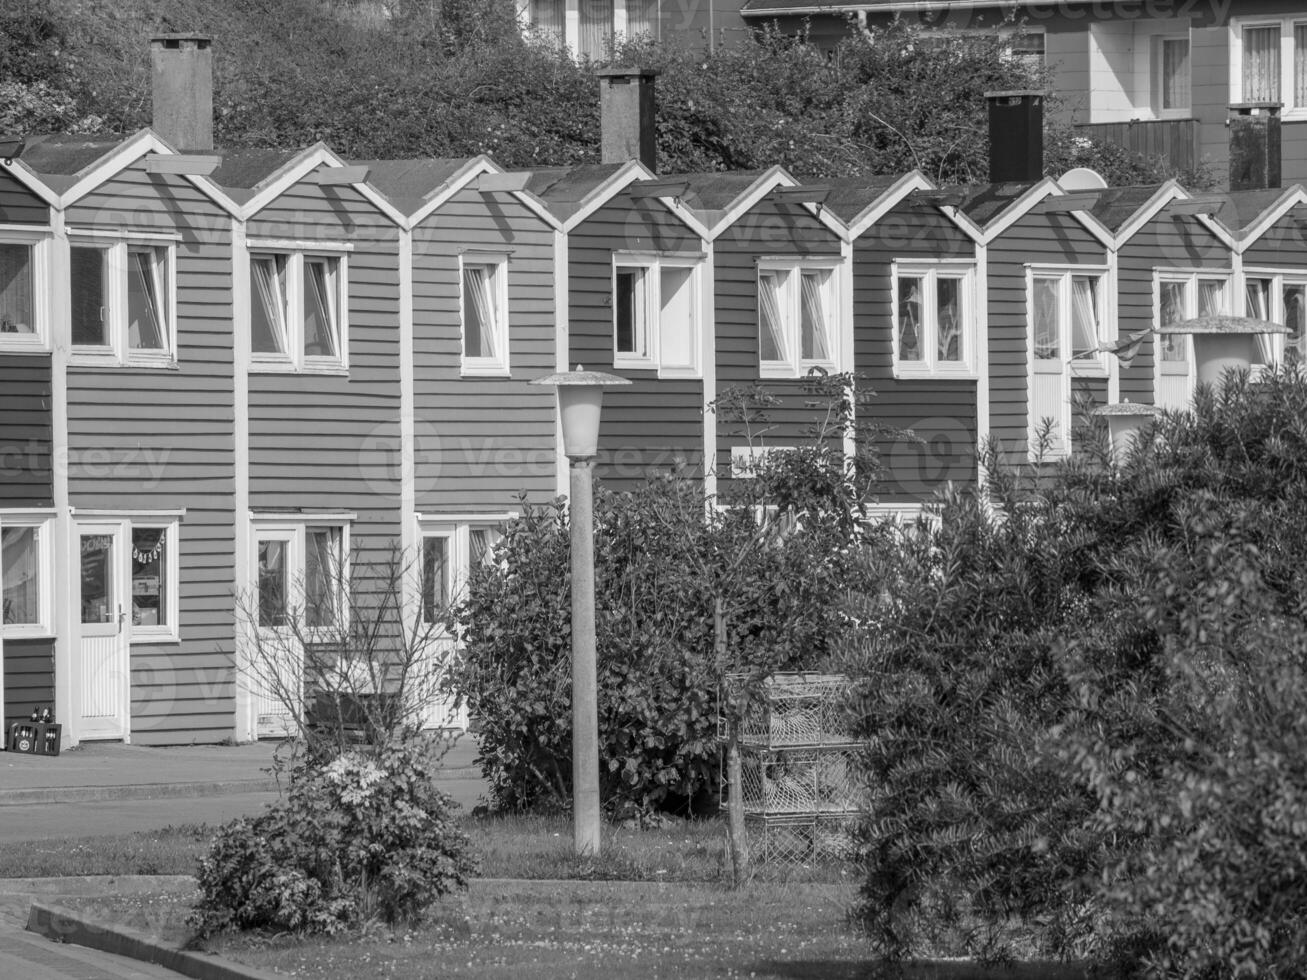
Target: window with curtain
(1258, 297)
(1299, 66)
(273, 583)
(1173, 73)
(481, 543)
(88, 281)
(911, 318)
(596, 29)
(771, 336)
(149, 576)
(547, 17)
(324, 570)
(20, 576)
(931, 307)
(268, 308)
(948, 319)
(797, 315)
(320, 305)
(1261, 63)
(1295, 318)
(1211, 297)
(814, 321)
(1047, 329)
(146, 299)
(16, 304)
(485, 321)
(642, 18)
(1171, 309)
(1085, 323)
(435, 577)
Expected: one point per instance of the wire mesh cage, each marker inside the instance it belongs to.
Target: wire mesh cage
(798, 781)
(794, 709)
(790, 840)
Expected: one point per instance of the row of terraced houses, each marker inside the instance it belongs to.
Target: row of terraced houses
(223, 371)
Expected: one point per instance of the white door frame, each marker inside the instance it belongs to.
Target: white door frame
(110, 631)
(271, 720)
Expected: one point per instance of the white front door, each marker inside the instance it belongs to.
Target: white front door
(103, 678)
(276, 663)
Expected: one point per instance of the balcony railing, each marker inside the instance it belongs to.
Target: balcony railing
(1174, 140)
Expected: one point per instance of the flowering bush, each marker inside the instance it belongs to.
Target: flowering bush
(357, 839)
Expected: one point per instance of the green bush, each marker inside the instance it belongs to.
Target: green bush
(357, 839)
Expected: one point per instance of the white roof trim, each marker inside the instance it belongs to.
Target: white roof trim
(139, 144)
(1289, 200)
(1168, 192)
(629, 173)
(686, 214)
(299, 167)
(767, 182)
(1018, 209)
(889, 199)
(26, 176)
(471, 170)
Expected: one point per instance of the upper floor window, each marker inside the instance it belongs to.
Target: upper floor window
(23, 262)
(798, 304)
(26, 576)
(656, 314)
(1170, 75)
(484, 304)
(298, 310)
(589, 27)
(933, 312)
(1184, 296)
(1280, 297)
(123, 302)
(1270, 61)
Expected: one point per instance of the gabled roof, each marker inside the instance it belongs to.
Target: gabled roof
(715, 200)
(61, 160)
(244, 169)
(1116, 206)
(850, 197)
(717, 190)
(1239, 211)
(265, 185)
(567, 190)
(408, 184)
(983, 203)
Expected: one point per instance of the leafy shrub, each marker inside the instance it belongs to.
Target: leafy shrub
(353, 840)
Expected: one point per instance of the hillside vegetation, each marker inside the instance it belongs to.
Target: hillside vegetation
(404, 78)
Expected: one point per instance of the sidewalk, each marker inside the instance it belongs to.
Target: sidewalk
(96, 771)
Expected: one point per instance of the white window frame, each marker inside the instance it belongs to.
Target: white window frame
(169, 632)
(294, 360)
(1155, 53)
(793, 365)
(499, 364)
(1286, 24)
(1280, 278)
(571, 33)
(41, 244)
(117, 267)
(1189, 278)
(43, 523)
(456, 529)
(649, 312)
(278, 528)
(931, 270)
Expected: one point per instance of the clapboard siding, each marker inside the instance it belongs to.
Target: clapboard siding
(142, 440)
(653, 424)
(774, 230)
(26, 478)
(936, 417)
(480, 442)
(330, 442)
(1283, 245)
(1166, 242)
(18, 205)
(1040, 239)
(29, 678)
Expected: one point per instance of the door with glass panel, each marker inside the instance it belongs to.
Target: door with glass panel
(275, 666)
(1181, 299)
(102, 675)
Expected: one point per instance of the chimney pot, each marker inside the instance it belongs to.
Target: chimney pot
(627, 115)
(1255, 153)
(182, 88)
(1016, 136)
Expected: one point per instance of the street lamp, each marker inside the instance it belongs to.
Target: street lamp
(580, 399)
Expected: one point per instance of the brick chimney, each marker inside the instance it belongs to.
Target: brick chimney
(1254, 145)
(181, 73)
(627, 114)
(1016, 136)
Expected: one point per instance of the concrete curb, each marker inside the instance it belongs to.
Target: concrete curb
(160, 791)
(63, 926)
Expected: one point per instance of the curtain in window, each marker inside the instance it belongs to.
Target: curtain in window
(268, 310)
(15, 288)
(1259, 306)
(272, 583)
(547, 16)
(911, 290)
(319, 308)
(771, 337)
(596, 36)
(478, 313)
(1261, 64)
(322, 572)
(88, 302)
(1211, 297)
(642, 18)
(1175, 73)
(149, 577)
(20, 575)
(435, 577)
(1171, 310)
(1048, 340)
(1084, 317)
(1295, 318)
(1299, 66)
(480, 541)
(813, 325)
(144, 299)
(948, 316)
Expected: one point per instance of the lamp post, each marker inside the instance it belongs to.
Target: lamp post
(580, 399)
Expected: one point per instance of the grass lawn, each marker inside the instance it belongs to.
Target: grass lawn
(591, 930)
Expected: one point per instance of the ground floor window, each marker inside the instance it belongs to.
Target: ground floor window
(449, 551)
(302, 580)
(26, 575)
